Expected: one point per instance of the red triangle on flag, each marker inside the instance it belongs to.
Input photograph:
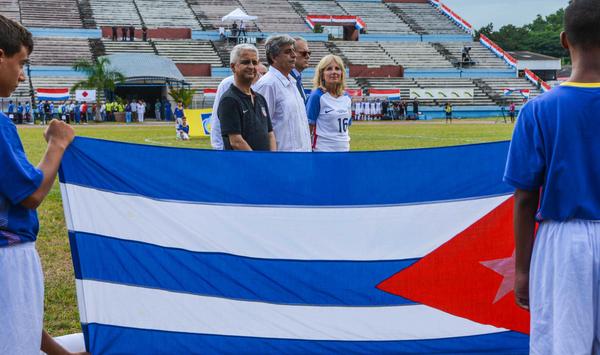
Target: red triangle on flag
(470, 276)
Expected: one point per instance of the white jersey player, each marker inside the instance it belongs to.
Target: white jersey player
(332, 118)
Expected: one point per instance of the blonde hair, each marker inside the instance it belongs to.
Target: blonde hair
(318, 80)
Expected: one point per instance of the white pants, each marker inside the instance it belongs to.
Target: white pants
(21, 300)
(564, 289)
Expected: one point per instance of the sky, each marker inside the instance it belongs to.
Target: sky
(503, 12)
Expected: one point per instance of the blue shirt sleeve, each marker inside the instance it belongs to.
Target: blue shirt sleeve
(313, 106)
(526, 163)
(18, 178)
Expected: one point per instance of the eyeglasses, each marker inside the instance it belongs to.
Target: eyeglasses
(305, 53)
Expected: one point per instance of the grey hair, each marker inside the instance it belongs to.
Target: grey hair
(274, 43)
(236, 52)
(300, 39)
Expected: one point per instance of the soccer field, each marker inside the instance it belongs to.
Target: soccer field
(61, 305)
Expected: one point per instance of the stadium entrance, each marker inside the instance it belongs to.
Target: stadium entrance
(150, 93)
(147, 77)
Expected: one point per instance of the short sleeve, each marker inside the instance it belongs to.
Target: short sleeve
(525, 165)
(267, 90)
(230, 116)
(313, 106)
(18, 178)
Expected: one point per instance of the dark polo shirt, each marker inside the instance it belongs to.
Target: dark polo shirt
(238, 115)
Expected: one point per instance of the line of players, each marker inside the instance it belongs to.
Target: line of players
(375, 109)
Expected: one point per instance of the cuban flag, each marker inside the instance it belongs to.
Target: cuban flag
(193, 251)
(56, 94)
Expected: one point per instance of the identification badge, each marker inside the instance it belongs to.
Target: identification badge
(264, 111)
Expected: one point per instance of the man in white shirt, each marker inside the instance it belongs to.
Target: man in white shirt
(141, 110)
(216, 139)
(286, 106)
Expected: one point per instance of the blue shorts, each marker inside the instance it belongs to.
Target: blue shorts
(21, 300)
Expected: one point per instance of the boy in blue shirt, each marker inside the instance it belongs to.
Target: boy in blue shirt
(556, 150)
(22, 188)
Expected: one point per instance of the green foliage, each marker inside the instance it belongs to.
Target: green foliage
(98, 74)
(541, 36)
(318, 28)
(182, 94)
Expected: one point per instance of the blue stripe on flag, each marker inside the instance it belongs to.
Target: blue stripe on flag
(341, 283)
(325, 179)
(120, 340)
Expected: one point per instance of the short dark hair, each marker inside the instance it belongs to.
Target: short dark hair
(14, 36)
(582, 23)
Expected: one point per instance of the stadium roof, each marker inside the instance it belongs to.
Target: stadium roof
(145, 66)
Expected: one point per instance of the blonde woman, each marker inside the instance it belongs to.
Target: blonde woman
(329, 109)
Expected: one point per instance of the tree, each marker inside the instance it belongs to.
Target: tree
(99, 76)
(542, 35)
(182, 94)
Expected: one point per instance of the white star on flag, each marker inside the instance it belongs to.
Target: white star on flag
(506, 268)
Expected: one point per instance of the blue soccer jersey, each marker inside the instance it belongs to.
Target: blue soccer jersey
(332, 117)
(556, 147)
(18, 180)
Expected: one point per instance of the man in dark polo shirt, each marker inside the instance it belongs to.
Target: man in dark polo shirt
(244, 115)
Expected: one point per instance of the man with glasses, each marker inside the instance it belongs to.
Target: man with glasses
(302, 58)
(286, 105)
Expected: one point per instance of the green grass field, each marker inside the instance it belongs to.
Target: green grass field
(61, 305)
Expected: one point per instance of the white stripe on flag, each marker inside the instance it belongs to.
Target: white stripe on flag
(350, 233)
(136, 307)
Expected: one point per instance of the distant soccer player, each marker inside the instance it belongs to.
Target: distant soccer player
(555, 149)
(329, 109)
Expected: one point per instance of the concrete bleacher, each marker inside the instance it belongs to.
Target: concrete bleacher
(426, 18)
(167, 13)
(483, 57)
(362, 53)
(112, 47)
(318, 7)
(10, 9)
(210, 12)
(55, 82)
(499, 84)
(377, 16)
(189, 51)
(480, 98)
(55, 51)
(275, 16)
(415, 55)
(55, 14)
(104, 13)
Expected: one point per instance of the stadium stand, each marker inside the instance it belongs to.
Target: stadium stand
(112, 47)
(104, 14)
(377, 16)
(415, 55)
(480, 98)
(318, 7)
(10, 9)
(189, 51)
(483, 57)
(425, 19)
(167, 13)
(55, 82)
(57, 14)
(361, 53)
(55, 51)
(275, 16)
(497, 86)
(210, 12)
